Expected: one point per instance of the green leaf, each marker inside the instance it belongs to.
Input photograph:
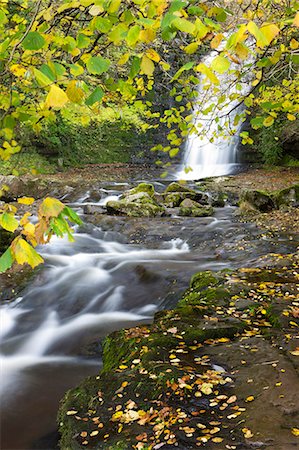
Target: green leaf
(96, 96)
(46, 70)
(220, 64)
(97, 65)
(133, 35)
(24, 253)
(102, 24)
(33, 41)
(72, 215)
(185, 67)
(8, 222)
(83, 41)
(6, 260)
(135, 67)
(41, 78)
(183, 25)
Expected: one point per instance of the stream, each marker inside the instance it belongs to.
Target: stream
(118, 273)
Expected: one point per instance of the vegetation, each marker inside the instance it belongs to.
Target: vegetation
(98, 54)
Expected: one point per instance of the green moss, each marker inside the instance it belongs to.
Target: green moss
(26, 162)
(134, 209)
(286, 197)
(196, 212)
(177, 187)
(142, 187)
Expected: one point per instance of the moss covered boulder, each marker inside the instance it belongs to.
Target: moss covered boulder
(191, 208)
(259, 200)
(142, 188)
(134, 209)
(286, 197)
(175, 193)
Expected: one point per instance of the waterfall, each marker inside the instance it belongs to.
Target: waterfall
(204, 154)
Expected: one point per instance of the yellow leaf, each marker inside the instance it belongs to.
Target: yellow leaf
(26, 200)
(294, 44)
(217, 440)
(50, 207)
(123, 59)
(74, 92)
(250, 398)
(8, 222)
(291, 117)
(268, 121)
(29, 228)
(71, 413)
(116, 416)
(191, 48)
(247, 433)
(147, 66)
(153, 55)
(24, 253)
(295, 353)
(270, 32)
(56, 97)
(147, 35)
(94, 433)
(216, 41)
(206, 388)
(295, 431)
(296, 20)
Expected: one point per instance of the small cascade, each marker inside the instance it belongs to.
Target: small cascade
(204, 154)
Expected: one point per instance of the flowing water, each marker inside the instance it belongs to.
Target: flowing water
(51, 333)
(205, 154)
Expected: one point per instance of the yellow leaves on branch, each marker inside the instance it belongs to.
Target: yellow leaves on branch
(264, 35)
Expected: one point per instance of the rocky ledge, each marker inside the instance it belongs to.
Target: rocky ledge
(218, 371)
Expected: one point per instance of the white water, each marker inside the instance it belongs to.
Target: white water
(206, 155)
(82, 293)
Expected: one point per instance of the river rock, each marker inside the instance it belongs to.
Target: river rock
(189, 207)
(218, 200)
(134, 209)
(259, 200)
(174, 199)
(287, 197)
(93, 209)
(94, 196)
(141, 188)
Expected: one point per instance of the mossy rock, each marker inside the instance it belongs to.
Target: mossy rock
(141, 188)
(286, 197)
(134, 209)
(177, 187)
(260, 200)
(195, 211)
